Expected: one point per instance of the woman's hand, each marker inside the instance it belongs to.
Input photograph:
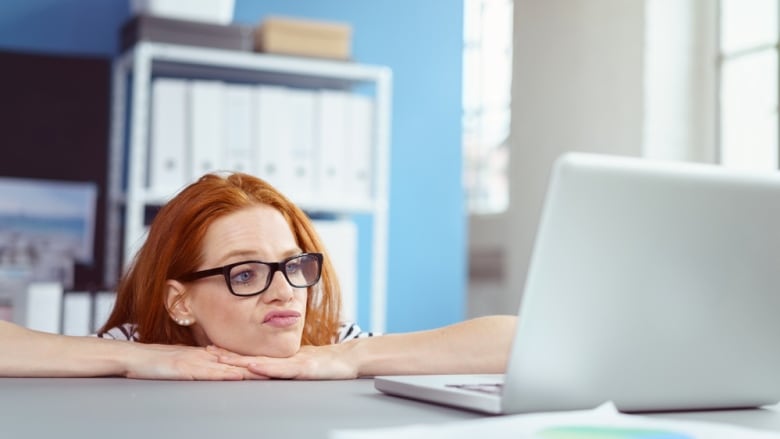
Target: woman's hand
(329, 362)
(41, 354)
(479, 345)
(150, 361)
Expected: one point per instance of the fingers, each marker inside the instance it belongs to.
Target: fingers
(238, 362)
(307, 364)
(227, 357)
(221, 372)
(216, 350)
(265, 367)
(224, 370)
(250, 375)
(278, 370)
(185, 363)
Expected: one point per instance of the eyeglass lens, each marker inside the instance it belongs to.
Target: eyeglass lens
(252, 277)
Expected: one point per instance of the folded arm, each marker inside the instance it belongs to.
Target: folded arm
(28, 353)
(478, 345)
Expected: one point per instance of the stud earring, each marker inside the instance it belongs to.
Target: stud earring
(184, 322)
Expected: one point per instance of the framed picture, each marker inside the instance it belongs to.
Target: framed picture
(45, 227)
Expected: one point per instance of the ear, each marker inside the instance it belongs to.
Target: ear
(177, 302)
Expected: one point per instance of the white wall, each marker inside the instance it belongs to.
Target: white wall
(629, 77)
(577, 86)
(680, 80)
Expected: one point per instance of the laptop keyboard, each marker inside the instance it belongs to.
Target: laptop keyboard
(491, 388)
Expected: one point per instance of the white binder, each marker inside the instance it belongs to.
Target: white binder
(206, 127)
(77, 313)
(300, 155)
(44, 307)
(104, 304)
(238, 117)
(271, 136)
(167, 169)
(332, 136)
(360, 149)
(340, 238)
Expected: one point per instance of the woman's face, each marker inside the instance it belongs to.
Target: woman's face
(270, 323)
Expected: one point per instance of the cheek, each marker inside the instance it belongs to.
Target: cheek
(215, 310)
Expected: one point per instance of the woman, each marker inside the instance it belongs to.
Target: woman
(232, 264)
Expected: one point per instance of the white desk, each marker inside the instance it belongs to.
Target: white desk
(67, 408)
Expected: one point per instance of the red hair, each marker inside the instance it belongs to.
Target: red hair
(173, 249)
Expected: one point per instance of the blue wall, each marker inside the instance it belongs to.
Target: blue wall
(421, 42)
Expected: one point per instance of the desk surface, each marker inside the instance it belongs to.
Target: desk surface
(121, 408)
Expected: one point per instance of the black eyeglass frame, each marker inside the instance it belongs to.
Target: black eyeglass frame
(273, 268)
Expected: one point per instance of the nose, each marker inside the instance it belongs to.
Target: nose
(279, 289)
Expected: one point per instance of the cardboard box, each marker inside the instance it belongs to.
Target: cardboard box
(191, 33)
(292, 36)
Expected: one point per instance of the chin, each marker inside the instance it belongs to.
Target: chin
(267, 345)
(278, 351)
(277, 347)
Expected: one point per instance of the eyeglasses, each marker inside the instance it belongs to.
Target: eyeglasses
(249, 278)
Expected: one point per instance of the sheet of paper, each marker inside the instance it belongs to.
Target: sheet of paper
(603, 422)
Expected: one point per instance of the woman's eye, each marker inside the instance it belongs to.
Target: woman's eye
(243, 276)
(293, 267)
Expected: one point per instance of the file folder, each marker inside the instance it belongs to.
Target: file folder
(340, 237)
(332, 157)
(206, 127)
(104, 304)
(167, 171)
(300, 150)
(271, 136)
(77, 313)
(360, 149)
(44, 307)
(238, 116)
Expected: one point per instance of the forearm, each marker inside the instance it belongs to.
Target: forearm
(36, 354)
(478, 345)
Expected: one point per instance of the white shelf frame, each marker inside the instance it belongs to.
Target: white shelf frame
(146, 59)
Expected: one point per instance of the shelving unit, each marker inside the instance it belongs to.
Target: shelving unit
(128, 195)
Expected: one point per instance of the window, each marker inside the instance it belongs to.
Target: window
(749, 84)
(487, 76)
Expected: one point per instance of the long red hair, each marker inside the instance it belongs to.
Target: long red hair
(173, 249)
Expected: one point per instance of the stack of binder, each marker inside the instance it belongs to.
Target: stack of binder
(144, 27)
(313, 145)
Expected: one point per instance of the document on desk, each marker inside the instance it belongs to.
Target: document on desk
(603, 422)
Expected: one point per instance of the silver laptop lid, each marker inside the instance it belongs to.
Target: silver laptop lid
(652, 284)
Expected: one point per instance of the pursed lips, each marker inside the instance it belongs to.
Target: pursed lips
(282, 318)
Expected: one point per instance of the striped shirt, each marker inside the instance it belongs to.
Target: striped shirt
(129, 332)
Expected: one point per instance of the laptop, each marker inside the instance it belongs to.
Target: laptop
(654, 285)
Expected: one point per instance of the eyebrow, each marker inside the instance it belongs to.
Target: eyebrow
(250, 254)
